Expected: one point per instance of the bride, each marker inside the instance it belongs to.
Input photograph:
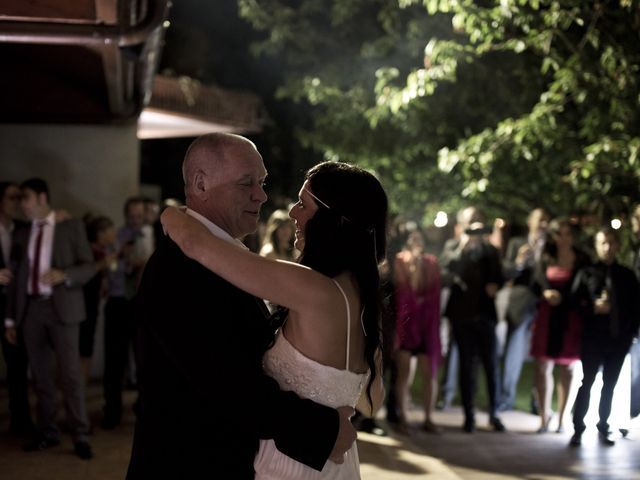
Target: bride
(328, 345)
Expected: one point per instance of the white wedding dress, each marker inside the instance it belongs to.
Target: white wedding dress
(323, 384)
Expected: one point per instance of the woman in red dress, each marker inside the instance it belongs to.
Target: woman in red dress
(417, 282)
(556, 329)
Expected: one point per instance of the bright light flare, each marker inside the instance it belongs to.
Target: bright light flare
(441, 219)
(616, 223)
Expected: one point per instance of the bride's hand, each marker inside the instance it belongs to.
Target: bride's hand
(183, 229)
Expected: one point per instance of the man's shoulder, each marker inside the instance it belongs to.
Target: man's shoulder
(70, 224)
(626, 271)
(169, 260)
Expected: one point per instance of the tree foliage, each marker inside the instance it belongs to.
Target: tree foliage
(507, 104)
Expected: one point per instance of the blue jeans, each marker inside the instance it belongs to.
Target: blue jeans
(635, 379)
(451, 381)
(516, 352)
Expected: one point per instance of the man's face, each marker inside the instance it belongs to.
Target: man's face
(34, 205)
(235, 193)
(606, 247)
(538, 222)
(10, 202)
(135, 215)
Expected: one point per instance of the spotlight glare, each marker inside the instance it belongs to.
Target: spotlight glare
(441, 219)
(616, 223)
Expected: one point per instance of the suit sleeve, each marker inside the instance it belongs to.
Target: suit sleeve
(83, 268)
(301, 429)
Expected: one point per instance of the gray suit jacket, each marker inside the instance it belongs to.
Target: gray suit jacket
(71, 253)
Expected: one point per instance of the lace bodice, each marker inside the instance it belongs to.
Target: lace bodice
(321, 383)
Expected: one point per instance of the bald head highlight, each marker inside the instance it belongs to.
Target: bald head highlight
(207, 155)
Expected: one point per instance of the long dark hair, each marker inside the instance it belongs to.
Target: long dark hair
(349, 233)
(277, 219)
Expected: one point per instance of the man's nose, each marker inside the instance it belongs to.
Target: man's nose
(259, 195)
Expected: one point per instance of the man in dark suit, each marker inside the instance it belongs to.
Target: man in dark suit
(15, 356)
(204, 399)
(471, 267)
(607, 296)
(520, 259)
(53, 260)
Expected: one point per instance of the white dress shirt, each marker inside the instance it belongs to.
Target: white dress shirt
(46, 251)
(215, 229)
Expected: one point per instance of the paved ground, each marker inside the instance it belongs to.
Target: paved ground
(453, 455)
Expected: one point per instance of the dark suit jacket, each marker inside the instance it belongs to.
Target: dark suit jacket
(468, 272)
(587, 287)
(204, 399)
(71, 253)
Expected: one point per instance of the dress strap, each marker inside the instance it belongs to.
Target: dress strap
(346, 301)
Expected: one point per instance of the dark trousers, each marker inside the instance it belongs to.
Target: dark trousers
(476, 339)
(15, 358)
(118, 332)
(598, 352)
(46, 337)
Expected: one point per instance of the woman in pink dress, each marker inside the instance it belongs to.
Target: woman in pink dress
(417, 282)
(557, 327)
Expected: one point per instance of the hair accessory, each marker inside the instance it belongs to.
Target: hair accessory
(371, 231)
(342, 217)
(364, 330)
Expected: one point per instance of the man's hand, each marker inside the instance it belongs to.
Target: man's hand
(11, 335)
(62, 216)
(346, 435)
(53, 277)
(602, 306)
(5, 276)
(523, 253)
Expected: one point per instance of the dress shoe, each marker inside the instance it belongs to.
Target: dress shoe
(497, 424)
(83, 450)
(369, 425)
(605, 440)
(40, 442)
(469, 425)
(576, 440)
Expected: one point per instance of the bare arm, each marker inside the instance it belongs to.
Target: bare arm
(284, 283)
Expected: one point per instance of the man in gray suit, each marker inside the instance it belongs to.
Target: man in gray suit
(51, 262)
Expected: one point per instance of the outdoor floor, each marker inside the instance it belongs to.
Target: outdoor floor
(518, 454)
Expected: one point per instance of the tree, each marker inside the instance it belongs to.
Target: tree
(507, 104)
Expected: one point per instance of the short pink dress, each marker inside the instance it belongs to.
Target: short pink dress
(557, 330)
(418, 312)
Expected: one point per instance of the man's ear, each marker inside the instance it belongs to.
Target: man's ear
(42, 198)
(200, 182)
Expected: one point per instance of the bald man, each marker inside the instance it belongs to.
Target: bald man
(205, 401)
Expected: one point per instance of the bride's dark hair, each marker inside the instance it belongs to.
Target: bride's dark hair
(349, 233)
